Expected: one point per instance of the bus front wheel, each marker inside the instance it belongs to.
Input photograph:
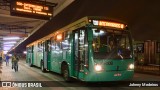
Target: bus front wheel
(66, 73)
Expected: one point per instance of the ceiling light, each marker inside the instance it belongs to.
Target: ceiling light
(8, 45)
(11, 38)
(5, 52)
(24, 52)
(6, 48)
(12, 42)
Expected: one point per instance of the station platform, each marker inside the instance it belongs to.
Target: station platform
(25, 74)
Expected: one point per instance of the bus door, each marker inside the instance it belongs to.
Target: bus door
(80, 53)
(46, 54)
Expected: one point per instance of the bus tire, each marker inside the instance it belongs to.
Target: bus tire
(65, 73)
(42, 67)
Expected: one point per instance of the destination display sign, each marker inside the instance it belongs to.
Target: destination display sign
(108, 23)
(31, 10)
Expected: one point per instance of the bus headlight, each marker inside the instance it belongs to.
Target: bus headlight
(98, 67)
(131, 66)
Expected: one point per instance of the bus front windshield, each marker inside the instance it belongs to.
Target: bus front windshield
(111, 44)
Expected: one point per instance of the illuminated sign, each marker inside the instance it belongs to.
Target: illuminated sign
(32, 10)
(109, 24)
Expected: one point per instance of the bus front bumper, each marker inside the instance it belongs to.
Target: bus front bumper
(109, 76)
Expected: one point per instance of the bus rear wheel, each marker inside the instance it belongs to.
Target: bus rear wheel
(66, 73)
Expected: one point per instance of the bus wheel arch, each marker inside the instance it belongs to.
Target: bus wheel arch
(65, 71)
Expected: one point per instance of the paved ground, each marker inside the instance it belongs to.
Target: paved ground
(27, 73)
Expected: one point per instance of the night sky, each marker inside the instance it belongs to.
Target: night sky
(142, 17)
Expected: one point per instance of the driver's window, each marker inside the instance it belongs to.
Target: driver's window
(99, 40)
(110, 42)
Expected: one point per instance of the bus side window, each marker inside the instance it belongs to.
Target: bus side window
(58, 46)
(66, 42)
(49, 44)
(53, 45)
(82, 44)
(83, 48)
(39, 46)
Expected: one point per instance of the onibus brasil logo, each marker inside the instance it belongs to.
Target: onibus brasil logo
(21, 84)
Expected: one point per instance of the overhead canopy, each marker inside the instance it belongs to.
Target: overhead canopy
(142, 16)
(15, 25)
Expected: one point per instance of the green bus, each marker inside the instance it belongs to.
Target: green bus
(91, 49)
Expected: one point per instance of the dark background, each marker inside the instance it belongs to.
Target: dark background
(142, 17)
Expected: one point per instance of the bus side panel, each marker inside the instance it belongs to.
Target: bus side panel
(57, 57)
(32, 56)
(53, 59)
(66, 57)
(35, 55)
(69, 60)
(28, 55)
(59, 60)
(39, 58)
(71, 57)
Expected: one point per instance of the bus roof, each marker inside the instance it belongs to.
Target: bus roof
(73, 26)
